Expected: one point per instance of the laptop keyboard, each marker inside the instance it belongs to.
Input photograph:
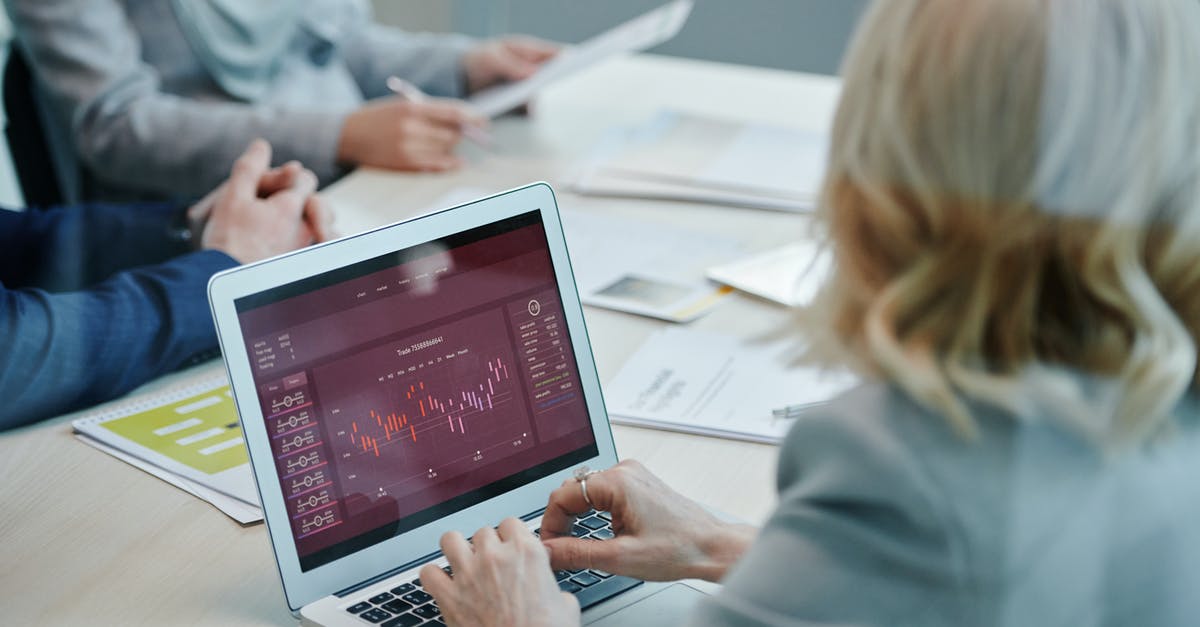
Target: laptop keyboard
(408, 605)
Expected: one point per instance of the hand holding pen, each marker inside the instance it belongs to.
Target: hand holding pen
(474, 129)
(408, 132)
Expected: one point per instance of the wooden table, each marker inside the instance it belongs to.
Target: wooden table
(87, 539)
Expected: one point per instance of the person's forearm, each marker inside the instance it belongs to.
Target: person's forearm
(69, 248)
(722, 549)
(67, 351)
(182, 148)
(127, 130)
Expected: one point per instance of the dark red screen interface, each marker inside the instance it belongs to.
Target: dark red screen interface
(412, 385)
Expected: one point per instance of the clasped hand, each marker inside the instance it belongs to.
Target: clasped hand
(261, 211)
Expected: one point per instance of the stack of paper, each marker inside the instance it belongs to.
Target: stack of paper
(714, 384)
(680, 156)
(189, 437)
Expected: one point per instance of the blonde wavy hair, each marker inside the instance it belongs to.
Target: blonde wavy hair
(1013, 206)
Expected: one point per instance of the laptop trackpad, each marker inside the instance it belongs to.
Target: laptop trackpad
(661, 608)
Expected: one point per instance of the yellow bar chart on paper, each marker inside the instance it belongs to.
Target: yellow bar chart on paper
(200, 432)
(191, 431)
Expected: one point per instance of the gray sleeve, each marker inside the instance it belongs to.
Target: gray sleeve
(856, 538)
(87, 58)
(373, 52)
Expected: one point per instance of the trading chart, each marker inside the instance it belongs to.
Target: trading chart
(425, 408)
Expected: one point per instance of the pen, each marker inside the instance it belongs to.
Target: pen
(412, 93)
(790, 411)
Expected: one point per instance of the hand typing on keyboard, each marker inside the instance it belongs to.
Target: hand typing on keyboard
(502, 577)
(660, 534)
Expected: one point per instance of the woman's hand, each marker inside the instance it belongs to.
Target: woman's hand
(502, 577)
(661, 535)
(398, 134)
(504, 60)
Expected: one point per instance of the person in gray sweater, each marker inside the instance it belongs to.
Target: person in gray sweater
(156, 98)
(1013, 205)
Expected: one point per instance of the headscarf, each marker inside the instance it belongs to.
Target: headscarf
(240, 42)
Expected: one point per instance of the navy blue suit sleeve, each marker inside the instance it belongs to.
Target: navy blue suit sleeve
(71, 248)
(65, 351)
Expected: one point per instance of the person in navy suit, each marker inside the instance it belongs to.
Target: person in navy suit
(96, 300)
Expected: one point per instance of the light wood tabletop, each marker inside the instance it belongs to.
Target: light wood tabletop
(88, 539)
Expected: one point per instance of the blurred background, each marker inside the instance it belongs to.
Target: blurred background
(799, 35)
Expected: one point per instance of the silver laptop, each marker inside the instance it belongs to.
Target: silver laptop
(428, 376)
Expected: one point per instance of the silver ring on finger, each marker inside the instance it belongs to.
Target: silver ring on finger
(581, 475)
(583, 488)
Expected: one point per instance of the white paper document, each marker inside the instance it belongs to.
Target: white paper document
(640, 33)
(682, 156)
(790, 275)
(242, 512)
(645, 269)
(715, 384)
(191, 431)
(725, 155)
(616, 185)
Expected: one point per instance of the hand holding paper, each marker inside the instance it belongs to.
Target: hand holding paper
(640, 33)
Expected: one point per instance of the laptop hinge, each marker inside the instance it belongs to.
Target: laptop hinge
(420, 560)
(391, 573)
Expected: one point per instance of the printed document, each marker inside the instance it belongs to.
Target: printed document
(715, 384)
(189, 435)
(693, 158)
(244, 513)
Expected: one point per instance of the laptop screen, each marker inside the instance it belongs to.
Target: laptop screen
(409, 386)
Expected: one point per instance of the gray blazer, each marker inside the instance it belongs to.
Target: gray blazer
(130, 100)
(886, 518)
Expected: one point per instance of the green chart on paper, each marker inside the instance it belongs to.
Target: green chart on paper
(200, 432)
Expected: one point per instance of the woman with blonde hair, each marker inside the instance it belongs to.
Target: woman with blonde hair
(1013, 204)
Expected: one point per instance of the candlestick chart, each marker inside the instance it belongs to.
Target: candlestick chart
(424, 409)
(420, 407)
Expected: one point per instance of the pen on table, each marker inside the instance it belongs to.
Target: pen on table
(790, 411)
(412, 93)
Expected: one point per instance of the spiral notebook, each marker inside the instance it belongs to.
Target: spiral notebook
(189, 433)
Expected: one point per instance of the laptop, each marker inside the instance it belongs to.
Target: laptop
(427, 376)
